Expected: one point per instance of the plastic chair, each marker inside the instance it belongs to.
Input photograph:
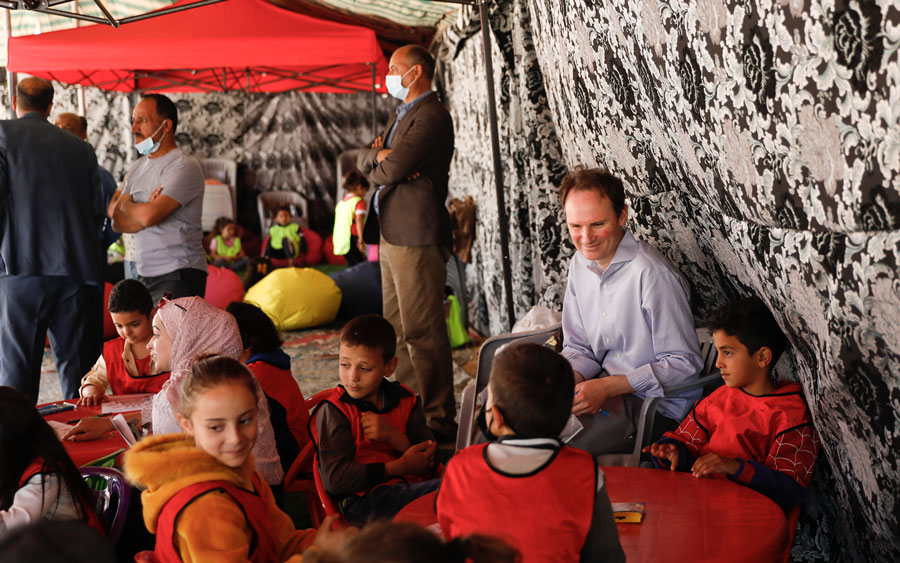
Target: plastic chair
(456, 279)
(709, 380)
(217, 202)
(483, 373)
(111, 502)
(223, 170)
(268, 202)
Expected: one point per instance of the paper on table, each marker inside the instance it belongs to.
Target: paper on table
(122, 426)
(572, 428)
(60, 428)
(129, 403)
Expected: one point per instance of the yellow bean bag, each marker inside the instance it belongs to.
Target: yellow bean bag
(296, 297)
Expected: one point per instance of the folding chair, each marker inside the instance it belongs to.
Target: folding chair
(483, 373)
(112, 495)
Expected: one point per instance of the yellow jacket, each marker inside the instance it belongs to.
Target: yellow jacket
(212, 527)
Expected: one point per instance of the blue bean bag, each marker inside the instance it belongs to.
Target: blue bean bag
(360, 290)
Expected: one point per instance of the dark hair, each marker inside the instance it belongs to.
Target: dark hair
(25, 437)
(418, 55)
(373, 332)
(211, 370)
(220, 225)
(258, 332)
(353, 179)
(753, 324)
(34, 94)
(130, 295)
(50, 540)
(281, 208)
(581, 179)
(534, 387)
(406, 542)
(165, 108)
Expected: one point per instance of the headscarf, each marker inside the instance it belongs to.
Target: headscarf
(195, 328)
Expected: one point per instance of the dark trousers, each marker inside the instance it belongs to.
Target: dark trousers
(187, 282)
(385, 502)
(32, 306)
(354, 256)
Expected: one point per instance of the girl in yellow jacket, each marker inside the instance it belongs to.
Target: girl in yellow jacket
(204, 499)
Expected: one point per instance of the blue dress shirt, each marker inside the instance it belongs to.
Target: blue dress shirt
(634, 319)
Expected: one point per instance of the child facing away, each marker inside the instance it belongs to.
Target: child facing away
(375, 453)
(272, 368)
(528, 403)
(756, 431)
(203, 497)
(286, 241)
(37, 477)
(225, 247)
(350, 218)
(124, 364)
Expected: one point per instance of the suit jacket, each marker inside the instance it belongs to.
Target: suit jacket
(412, 212)
(50, 202)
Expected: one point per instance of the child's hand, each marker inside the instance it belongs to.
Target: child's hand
(361, 246)
(417, 459)
(330, 539)
(377, 428)
(664, 451)
(713, 463)
(90, 396)
(89, 429)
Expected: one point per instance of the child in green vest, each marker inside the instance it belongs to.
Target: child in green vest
(349, 219)
(225, 246)
(285, 238)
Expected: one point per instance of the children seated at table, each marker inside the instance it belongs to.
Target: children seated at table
(124, 364)
(350, 218)
(754, 430)
(204, 499)
(285, 238)
(374, 451)
(225, 247)
(272, 368)
(546, 499)
(37, 477)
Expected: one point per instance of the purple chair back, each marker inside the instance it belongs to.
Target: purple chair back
(111, 504)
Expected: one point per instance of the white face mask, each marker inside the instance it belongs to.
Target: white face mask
(395, 85)
(148, 145)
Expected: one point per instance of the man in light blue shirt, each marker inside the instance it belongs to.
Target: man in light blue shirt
(627, 322)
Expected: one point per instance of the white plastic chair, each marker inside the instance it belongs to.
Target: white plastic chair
(216, 203)
(225, 171)
(268, 202)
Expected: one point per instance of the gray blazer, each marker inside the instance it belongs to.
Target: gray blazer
(412, 212)
(50, 203)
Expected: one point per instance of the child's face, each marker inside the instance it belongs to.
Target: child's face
(228, 231)
(282, 217)
(160, 346)
(133, 326)
(224, 422)
(362, 370)
(739, 367)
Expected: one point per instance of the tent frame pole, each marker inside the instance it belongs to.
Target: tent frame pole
(374, 100)
(10, 76)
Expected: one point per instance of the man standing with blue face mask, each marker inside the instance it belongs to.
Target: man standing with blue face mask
(410, 163)
(161, 205)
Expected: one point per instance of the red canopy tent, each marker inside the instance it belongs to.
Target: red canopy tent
(245, 45)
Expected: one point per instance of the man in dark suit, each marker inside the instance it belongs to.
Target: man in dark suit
(50, 257)
(410, 163)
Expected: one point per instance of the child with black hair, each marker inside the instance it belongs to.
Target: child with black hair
(755, 430)
(225, 247)
(272, 368)
(350, 218)
(374, 451)
(124, 364)
(568, 516)
(286, 240)
(37, 477)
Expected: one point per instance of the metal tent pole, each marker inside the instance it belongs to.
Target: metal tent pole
(374, 101)
(502, 217)
(10, 76)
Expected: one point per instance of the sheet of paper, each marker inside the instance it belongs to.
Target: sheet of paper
(122, 426)
(129, 403)
(60, 428)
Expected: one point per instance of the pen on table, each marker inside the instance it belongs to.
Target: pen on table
(92, 416)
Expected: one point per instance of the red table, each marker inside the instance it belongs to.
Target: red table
(85, 452)
(685, 519)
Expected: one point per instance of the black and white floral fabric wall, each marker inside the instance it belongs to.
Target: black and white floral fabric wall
(760, 142)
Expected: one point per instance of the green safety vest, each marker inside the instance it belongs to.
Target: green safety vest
(116, 250)
(344, 214)
(277, 234)
(226, 251)
(458, 334)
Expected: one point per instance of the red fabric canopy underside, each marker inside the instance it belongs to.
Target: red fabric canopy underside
(246, 45)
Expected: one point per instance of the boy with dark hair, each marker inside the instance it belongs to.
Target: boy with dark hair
(125, 363)
(756, 431)
(374, 452)
(529, 401)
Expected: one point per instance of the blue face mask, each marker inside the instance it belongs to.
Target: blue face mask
(395, 87)
(148, 145)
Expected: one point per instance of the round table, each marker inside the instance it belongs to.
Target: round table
(685, 519)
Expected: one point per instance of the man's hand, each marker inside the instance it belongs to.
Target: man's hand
(590, 396)
(413, 176)
(382, 154)
(156, 193)
(713, 463)
(378, 142)
(89, 429)
(91, 395)
(664, 451)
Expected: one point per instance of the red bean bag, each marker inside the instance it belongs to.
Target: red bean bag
(222, 287)
(330, 256)
(311, 257)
